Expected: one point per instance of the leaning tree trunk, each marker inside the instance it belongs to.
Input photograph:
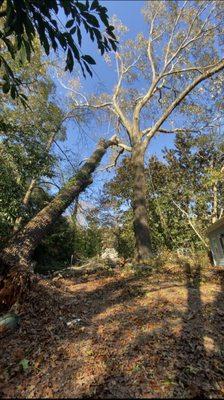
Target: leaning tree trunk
(141, 227)
(15, 258)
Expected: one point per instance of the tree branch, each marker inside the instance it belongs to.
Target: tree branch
(125, 122)
(172, 33)
(150, 49)
(185, 42)
(191, 224)
(176, 102)
(178, 130)
(114, 163)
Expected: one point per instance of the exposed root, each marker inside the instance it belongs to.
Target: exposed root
(14, 286)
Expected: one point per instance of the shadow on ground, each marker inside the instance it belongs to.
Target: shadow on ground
(136, 337)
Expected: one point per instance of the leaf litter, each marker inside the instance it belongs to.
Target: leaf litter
(119, 335)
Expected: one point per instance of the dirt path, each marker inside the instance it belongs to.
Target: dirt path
(128, 337)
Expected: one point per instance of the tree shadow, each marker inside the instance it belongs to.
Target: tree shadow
(44, 326)
(122, 347)
(190, 377)
(198, 366)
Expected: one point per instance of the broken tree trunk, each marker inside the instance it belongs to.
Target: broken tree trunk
(15, 257)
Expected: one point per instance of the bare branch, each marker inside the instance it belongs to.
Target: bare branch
(150, 49)
(185, 42)
(190, 69)
(114, 163)
(142, 101)
(172, 33)
(178, 130)
(49, 183)
(65, 155)
(185, 92)
(85, 104)
(191, 224)
(125, 122)
(96, 106)
(124, 146)
(125, 70)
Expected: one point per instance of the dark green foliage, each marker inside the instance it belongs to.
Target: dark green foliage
(24, 155)
(87, 242)
(10, 191)
(56, 249)
(67, 242)
(125, 243)
(24, 20)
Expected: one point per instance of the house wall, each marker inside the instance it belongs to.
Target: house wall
(216, 239)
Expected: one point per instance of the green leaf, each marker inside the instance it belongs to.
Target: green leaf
(6, 87)
(24, 364)
(88, 69)
(94, 5)
(69, 61)
(28, 50)
(110, 32)
(62, 40)
(54, 22)
(13, 92)
(79, 36)
(104, 18)
(89, 59)
(70, 23)
(23, 54)
(113, 44)
(81, 6)
(75, 51)
(91, 19)
(73, 30)
(10, 47)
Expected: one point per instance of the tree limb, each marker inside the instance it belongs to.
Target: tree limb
(191, 223)
(114, 163)
(172, 33)
(176, 102)
(125, 122)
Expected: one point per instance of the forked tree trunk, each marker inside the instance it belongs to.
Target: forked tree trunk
(15, 258)
(141, 227)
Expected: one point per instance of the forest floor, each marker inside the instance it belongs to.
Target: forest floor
(130, 335)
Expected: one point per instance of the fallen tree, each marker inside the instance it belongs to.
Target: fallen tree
(16, 256)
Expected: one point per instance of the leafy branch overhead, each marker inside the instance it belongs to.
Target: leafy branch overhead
(22, 21)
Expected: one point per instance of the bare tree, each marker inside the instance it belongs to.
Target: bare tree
(182, 51)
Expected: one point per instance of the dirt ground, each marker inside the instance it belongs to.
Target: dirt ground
(159, 335)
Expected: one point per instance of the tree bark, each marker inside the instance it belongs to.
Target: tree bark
(139, 204)
(15, 258)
